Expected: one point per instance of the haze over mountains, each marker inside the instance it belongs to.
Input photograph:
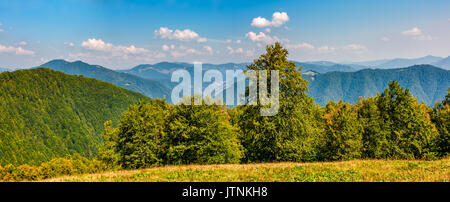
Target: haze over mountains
(328, 80)
(427, 83)
(148, 87)
(404, 62)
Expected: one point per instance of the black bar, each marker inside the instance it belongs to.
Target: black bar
(307, 192)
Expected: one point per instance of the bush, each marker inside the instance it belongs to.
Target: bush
(69, 165)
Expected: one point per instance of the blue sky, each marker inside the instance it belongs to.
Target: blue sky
(122, 34)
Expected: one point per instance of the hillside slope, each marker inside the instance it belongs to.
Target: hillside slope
(150, 88)
(47, 114)
(425, 82)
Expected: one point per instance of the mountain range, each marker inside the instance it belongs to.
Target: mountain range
(148, 87)
(427, 83)
(4, 69)
(405, 62)
(328, 80)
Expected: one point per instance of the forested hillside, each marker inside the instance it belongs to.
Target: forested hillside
(426, 83)
(148, 87)
(46, 114)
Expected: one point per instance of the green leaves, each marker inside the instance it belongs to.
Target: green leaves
(290, 135)
(396, 126)
(156, 133)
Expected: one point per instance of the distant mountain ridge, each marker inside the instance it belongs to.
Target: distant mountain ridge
(402, 62)
(160, 73)
(444, 63)
(4, 69)
(148, 87)
(426, 82)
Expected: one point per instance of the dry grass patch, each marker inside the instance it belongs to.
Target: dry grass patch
(343, 171)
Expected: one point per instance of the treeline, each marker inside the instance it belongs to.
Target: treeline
(391, 125)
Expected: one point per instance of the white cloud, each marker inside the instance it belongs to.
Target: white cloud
(355, 48)
(165, 47)
(326, 49)
(238, 41)
(100, 45)
(415, 31)
(237, 50)
(230, 50)
(267, 30)
(164, 33)
(16, 50)
(417, 34)
(181, 35)
(385, 39)
(260, 22)
(208, 49)
(278, 19)
(202, 40)
(228, 41)
(305, 46)
(181, 50)
(261, 37)
(185, 35)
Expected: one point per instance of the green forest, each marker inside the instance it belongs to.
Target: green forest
(151, 132)
(46, 114)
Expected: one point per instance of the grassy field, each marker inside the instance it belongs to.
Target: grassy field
(344, 171)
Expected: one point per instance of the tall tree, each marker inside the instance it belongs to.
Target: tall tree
(290, 135)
